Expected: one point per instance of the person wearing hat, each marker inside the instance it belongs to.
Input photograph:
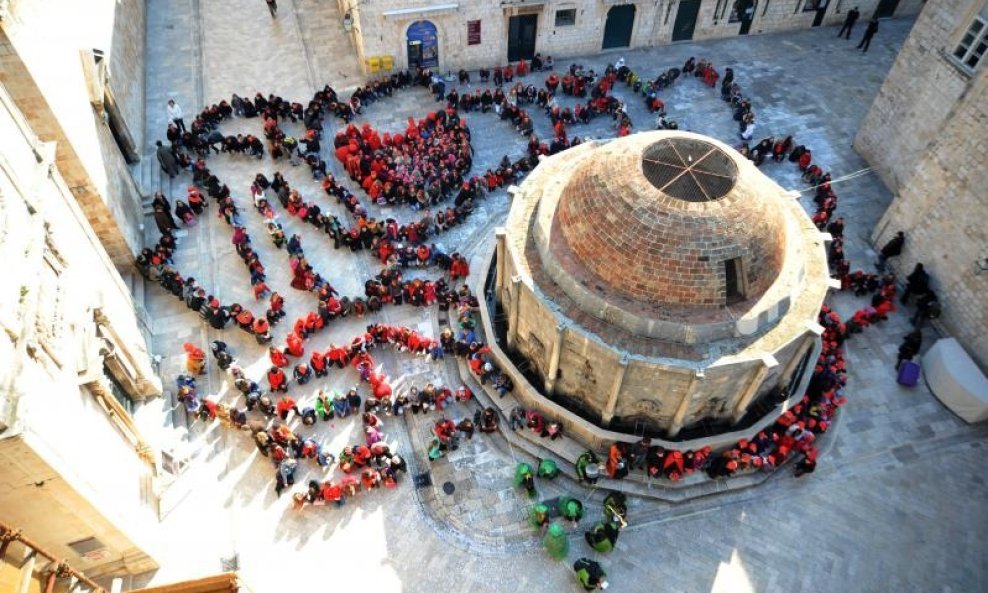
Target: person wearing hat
(525, 477)
(590, 574)
(538, 516)
(571, 509)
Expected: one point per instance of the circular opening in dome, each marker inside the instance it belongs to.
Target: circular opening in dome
(688, 169)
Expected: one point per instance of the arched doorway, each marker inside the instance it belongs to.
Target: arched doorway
(423, 45)
(620, 22)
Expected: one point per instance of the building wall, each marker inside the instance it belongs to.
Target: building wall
(927, 135)
(67, 313)
(376, 34)
(47, 506)
(43, 45)
(942, 209)
(918, 95)
(128, 64)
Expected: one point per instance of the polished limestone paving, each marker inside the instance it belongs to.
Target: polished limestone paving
(898, 503)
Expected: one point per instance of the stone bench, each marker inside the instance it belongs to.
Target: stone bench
(956, 380)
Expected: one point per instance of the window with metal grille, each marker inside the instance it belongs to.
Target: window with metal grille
(688, 169)
(565, 18)
(972, 46)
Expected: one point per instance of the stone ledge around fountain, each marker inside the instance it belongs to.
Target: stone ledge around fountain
(566, 450)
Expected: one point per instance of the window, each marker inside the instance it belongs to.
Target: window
(566, 18)
(814, 5)
(734, 280)
(119, 393)
(972, 46)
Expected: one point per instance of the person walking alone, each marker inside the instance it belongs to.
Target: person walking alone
(167, 160)
(869, 33)
(175, 115)
(273, 7)
(849, 20)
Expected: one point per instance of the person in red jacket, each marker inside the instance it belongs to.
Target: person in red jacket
(277, 379)
(295, 347)
(287, 404)
(459, 268)
(276, 308)
(338, 355)
(333, 492)
(278, 357)
(318, 364)
(262, 330)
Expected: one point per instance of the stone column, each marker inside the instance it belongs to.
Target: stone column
(501, 236)
(555, 354)
(768, 363)
(612, 397)
(27, 574)
(513, 318)
(696, 381)
(806, 344)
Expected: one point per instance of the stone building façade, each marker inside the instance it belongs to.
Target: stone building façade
(927, 136)
(75, 472)
(450, 35)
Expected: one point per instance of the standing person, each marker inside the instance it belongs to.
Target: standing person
(918, 282)
(272, 7)
(163, 213)
(849, 20)
(910, 346)
(175, 115)
(891, 249)
(167, 160)
(869, 33)
(927, 307)
(590, 574)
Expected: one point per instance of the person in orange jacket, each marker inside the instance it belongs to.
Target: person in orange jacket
(195, 361)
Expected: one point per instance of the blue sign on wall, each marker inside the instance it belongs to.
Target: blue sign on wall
(423, 34)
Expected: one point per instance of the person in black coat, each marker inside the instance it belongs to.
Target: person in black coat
(869, 33)
(910, 346)
(849, 20)
(918, 282)
(891, 249)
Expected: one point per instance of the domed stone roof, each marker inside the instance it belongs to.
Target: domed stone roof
(669, 221)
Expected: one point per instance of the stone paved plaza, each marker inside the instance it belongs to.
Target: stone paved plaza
(897, 504)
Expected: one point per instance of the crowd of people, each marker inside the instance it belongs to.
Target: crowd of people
(366, 465)
(427, 164)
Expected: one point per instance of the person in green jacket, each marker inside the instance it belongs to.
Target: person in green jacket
(616, 507)
(538, 516)
(590, 574)
(571, 509)
(548, 469)
(524, 476)
(555, 541)
(587, 467)
(324, 406)
(602, 536)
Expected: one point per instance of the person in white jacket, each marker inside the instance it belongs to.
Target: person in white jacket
(175, 114)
